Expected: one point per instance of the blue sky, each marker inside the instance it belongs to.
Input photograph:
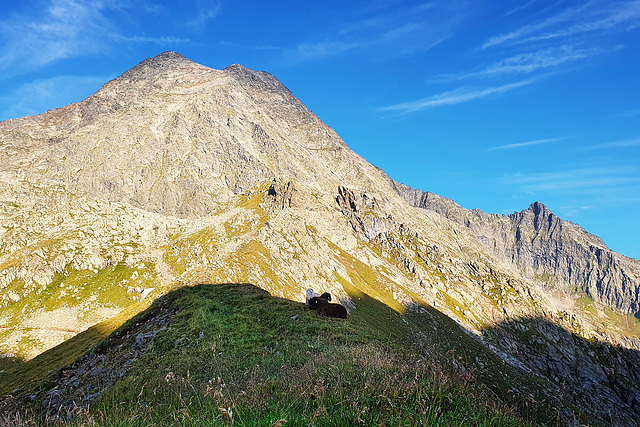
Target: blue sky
(492, 104)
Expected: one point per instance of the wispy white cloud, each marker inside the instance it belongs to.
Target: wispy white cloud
(525, 144)
(395, 20)
(64, 29)
(207, 10)
(534, 61)
(590, 18)
(627, 143)
(41, 95)
(543, 48)
(456, 96)
(392, 32)
(625, 17)
(528, 29)
(623, 21)
(270, 47)
(320, 50)
(163, 40)
(526, 63)
(521, 7)
(593, 179)
(570, 212)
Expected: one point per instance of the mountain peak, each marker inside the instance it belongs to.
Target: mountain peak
(537, 208)
(158, 64)
(257, 79)
(167, 56)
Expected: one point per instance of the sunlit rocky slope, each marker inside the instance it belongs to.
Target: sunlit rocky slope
(177, 174)
(553, 252)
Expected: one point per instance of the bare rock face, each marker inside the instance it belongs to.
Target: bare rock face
(560, 249)
(173, 137)
(547, 249)
(175, 174)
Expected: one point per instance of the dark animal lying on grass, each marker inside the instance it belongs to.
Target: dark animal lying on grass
(324, 308)
(312, 294)
(313, 302)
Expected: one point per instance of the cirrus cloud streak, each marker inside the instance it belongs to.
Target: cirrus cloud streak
(456, 96)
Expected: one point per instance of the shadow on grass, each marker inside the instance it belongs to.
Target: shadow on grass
(18, 375)
(232, 352)
(213, 342)
(550, 374)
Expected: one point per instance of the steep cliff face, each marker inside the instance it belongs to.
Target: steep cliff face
(546, 249)
(176, 174)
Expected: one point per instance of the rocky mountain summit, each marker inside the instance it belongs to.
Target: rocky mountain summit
(176, 174)
(170, 136)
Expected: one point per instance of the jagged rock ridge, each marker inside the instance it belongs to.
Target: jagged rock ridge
(546, 249)
(176, 174)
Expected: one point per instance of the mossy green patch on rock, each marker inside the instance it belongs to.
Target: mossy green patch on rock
(585, 304)
(364, 278)
(547, 279)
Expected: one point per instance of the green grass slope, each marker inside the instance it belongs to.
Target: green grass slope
(232, 354)
(17, 376)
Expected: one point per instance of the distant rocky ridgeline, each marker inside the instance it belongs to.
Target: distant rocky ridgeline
(549, 250)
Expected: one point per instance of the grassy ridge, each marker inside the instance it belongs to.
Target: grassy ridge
(233, 354)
